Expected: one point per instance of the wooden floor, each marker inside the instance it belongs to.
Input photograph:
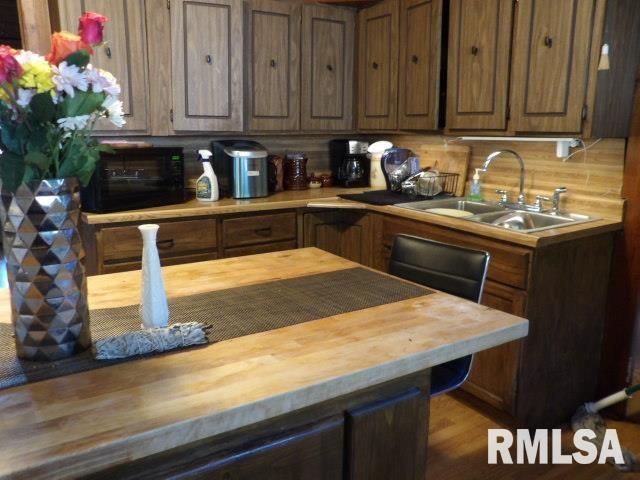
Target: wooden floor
(458, 446)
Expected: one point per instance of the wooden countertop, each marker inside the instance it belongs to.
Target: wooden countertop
(329, 197)
(92, 420)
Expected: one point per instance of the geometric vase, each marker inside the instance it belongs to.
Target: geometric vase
(47, 281)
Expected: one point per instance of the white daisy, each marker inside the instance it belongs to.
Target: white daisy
(24, 96)
(25, 56)
(68, 77)
(114, 110)
(102, 81)
(74, 123)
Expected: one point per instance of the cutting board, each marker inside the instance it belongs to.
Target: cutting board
(446, 158)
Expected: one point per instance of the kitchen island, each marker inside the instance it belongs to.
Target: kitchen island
(345, 393)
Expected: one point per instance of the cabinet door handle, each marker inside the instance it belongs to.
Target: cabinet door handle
(548, 41)
(414, 58)
(272, 63)
(474, 50)
(330, 68)
(263, 232)
(375, 65)
(165, 244)
(107, 50)
(208, 59)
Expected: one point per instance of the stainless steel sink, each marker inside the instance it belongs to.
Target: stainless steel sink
(529, 221)
(454, 204)
(498, 216)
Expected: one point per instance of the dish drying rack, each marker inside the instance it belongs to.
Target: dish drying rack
(447, 181)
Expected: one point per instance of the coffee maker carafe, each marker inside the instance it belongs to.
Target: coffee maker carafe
(349, 163)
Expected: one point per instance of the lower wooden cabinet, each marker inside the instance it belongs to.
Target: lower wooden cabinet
(119, 248)
(387, 439)
(343, 233)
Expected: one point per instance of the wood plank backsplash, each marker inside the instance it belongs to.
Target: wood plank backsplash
(594, 180)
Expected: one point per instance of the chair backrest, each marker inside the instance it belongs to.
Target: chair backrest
(456, 270)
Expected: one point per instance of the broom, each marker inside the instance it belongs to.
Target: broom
(587, 417)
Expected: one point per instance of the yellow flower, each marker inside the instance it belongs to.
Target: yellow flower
(37, 74)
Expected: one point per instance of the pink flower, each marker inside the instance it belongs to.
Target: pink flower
(10, 69)
(90, 28)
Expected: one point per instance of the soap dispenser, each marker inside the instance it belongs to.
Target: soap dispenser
(207, 184)
(476, 193)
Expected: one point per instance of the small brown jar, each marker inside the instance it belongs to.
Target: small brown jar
(295, 171)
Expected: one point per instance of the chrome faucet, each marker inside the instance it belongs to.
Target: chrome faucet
(491, 157)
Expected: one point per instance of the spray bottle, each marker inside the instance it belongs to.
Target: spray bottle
(207, 184)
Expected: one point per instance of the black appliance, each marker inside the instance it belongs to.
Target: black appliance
(349, 163)
(135, 178)
(223, 164)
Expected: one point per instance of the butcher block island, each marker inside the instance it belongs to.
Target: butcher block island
(343, 396)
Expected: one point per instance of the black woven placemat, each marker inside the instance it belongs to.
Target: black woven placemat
(231, 313)
(387, 197)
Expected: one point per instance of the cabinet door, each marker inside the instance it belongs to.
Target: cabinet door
(478, 71)
(327, 68)
(124, 54)
(420, 40)
(379, 437)
(273, 65)
(207, 65)
(550, 63)
(378, 66)
(342, 233)
(493, 376)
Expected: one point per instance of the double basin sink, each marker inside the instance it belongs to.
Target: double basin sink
(496, 215)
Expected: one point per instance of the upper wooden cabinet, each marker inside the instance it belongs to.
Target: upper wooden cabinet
(327, 68)
(273, 65)
(420, 47)
(478, 70)
(378, 66)
(206, 44)
(550, 64)
(124, 54)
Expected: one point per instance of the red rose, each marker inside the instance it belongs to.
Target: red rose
(64, 44)
(10, 69)
(90, 27)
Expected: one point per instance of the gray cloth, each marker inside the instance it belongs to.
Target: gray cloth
(153, 340)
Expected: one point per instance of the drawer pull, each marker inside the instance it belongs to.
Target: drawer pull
(263, 232)
(165, 244)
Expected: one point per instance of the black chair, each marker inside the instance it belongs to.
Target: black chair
(450, 269)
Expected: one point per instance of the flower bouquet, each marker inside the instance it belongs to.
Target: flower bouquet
(49, 107)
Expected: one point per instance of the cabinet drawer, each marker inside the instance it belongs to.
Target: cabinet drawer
(509, 263)
(260, 248)
(124, 244)
(242, 231)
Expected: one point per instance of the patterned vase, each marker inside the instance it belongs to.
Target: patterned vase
(44, 253)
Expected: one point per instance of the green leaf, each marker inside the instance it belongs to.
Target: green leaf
(79, 59)
(10, 137)
(12, 169)
(38, 160)
(82, 103)
(43, 108)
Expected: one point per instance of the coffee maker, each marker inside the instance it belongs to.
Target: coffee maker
(349, 163)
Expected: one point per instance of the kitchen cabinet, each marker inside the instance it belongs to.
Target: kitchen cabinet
(379, 433)
(119, 248)
(124, 54)
(378, 28)
(550, 65)
(478, 67)
(343, 233)
(563, 344)
(327, 68)
(206, 52)
(419, 78)
(249, 235)
(273, 65)
(10, 24)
